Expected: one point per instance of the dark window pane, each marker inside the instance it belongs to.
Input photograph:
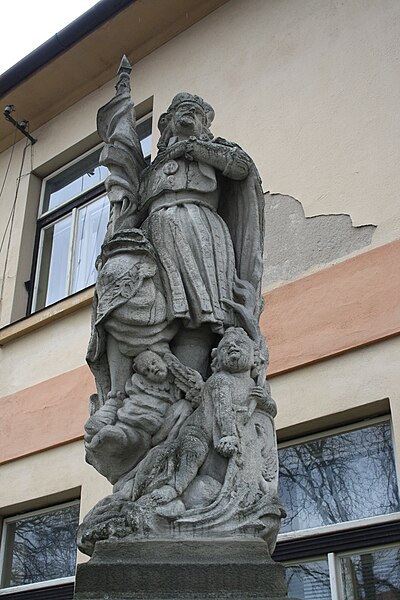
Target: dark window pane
(309, 581)
(41, 547)
(144, 132)
(372, 575)
(339, 478)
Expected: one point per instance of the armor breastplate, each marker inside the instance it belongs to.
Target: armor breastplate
(176, 175)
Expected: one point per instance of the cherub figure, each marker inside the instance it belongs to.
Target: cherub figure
(215, 469)
(232, 388)
(230, 397)
(159, 397)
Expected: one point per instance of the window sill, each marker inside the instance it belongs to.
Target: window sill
(45, 316)
(339, 527)
(34, 586)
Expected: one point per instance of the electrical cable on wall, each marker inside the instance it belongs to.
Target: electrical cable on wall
(10, 221)
(9, 163)
(23, 127)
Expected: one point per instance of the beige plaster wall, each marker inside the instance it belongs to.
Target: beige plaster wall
(310, 89)
(14, 199)
(46, 352)
(344, 387)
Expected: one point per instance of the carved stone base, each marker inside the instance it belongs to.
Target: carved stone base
(234, 569)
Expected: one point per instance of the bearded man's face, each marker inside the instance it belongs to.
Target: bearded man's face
(188, 119)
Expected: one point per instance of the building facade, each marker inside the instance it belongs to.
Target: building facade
(311, 91)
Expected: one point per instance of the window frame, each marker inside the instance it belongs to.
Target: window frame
(348, 538)
(334, 568)
(38, 584)
(356, 523)
(72, 208)
(42, 214)
(332, 572)
(52, 216)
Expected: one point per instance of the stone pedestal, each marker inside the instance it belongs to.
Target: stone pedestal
(234, 569)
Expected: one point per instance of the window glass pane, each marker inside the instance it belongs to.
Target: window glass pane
(73, 181)
(54, 263)
(91, 229)
(309, 581)
(146, 146)
(144, 132)
(339, 478)
(41, 547)
(372, 576)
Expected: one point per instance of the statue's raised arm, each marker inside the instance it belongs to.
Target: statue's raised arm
(122, 153)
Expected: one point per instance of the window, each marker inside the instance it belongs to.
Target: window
(371, 574)
(72, 222)
(309, 580)
(338, 478)
(39, 546)
(340, 538)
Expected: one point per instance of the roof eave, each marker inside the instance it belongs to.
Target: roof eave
(60, 42)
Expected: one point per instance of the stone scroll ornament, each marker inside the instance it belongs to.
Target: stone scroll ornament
(182, 423)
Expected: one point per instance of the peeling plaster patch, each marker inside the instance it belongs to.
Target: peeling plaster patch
(294, 243)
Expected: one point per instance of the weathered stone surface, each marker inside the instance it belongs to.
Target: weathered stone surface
(294, 243)
(238, 569)
(183, 420)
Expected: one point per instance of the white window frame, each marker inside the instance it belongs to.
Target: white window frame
(336, 556)
(333, 560)
(337, 527)
(58, 172)
(74, 216)
(71, 255)
(316, 558)
(73, 213)
(38, 584)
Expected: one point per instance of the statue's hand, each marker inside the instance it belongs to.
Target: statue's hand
(181, 148)
(258, 394)
(164, 494)
(228, 445)
(264, 400)
(116, 397)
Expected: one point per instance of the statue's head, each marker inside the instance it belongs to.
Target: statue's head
(188, 115)
(235, 352)
(151, 366)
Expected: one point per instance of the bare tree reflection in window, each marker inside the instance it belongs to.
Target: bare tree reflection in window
(309, 581)
(339, 478)
(372, 575)
(42, 547)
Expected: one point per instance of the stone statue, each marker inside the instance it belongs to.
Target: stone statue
(183, 420)
(156, 403)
